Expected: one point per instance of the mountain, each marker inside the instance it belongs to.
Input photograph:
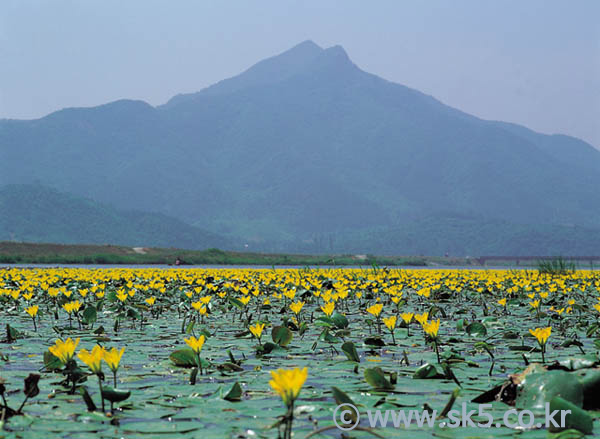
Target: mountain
(305, 146)
(34, 213)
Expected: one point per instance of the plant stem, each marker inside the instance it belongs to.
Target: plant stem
(289, 420)
(101, 396)
(22, 404)
(199, 362)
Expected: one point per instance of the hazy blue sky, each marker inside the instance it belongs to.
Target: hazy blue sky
(534, 62)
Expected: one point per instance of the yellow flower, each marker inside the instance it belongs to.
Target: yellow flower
(432, 328)
(407, 317)
(288, 383)
(195, 343)
(502, 301)
(27, 296)
(541, 334)
(32, 310)
(205, 299)
(245, 300)
(535, 304)
(296, 307)
(375, 309)
(422, 318)
(597, 307)
(544, 295)
(93, 359)
(64, 350)
(328, 308)
(113, 358)
(71, 307)
(257, 329)
(122, 296)
(571, 302)
(390, 322)
(198, 306)
(53, 292)
(424, 292)
(150, 300)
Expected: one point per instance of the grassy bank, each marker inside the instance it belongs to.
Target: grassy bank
(12, 252)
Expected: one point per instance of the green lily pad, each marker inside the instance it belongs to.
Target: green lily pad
(349, 349)
(476, 329)
(235, 393)
(376, 378)
(115, 395)
(282, 335)
(577, 419)
(427, 371)
(539, 388)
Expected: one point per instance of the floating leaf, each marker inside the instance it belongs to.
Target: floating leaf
(236, 302)
(12, 334)
(115, 395)
(342, 398)
(89, 315)
(51, 362)
(31, 388)
(376, 378)
(184, 358)
(427, 371)
(350, 350)
(235, 393)
(540, 387)
(476, 329)
(339, 320)
(282, 335)
(267, 348)
(374, 341)
(577, 419)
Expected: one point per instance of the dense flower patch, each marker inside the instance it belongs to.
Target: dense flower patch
(145, 352)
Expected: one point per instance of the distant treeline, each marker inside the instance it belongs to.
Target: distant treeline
(89, 254)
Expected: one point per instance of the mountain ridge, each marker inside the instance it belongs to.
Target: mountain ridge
(41, 214)
(306, 143)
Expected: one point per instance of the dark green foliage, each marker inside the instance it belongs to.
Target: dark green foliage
(557, 266)
(38, 214)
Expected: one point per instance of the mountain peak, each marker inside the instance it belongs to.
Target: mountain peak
(273, 69)
(305, 46)
(338, 52)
